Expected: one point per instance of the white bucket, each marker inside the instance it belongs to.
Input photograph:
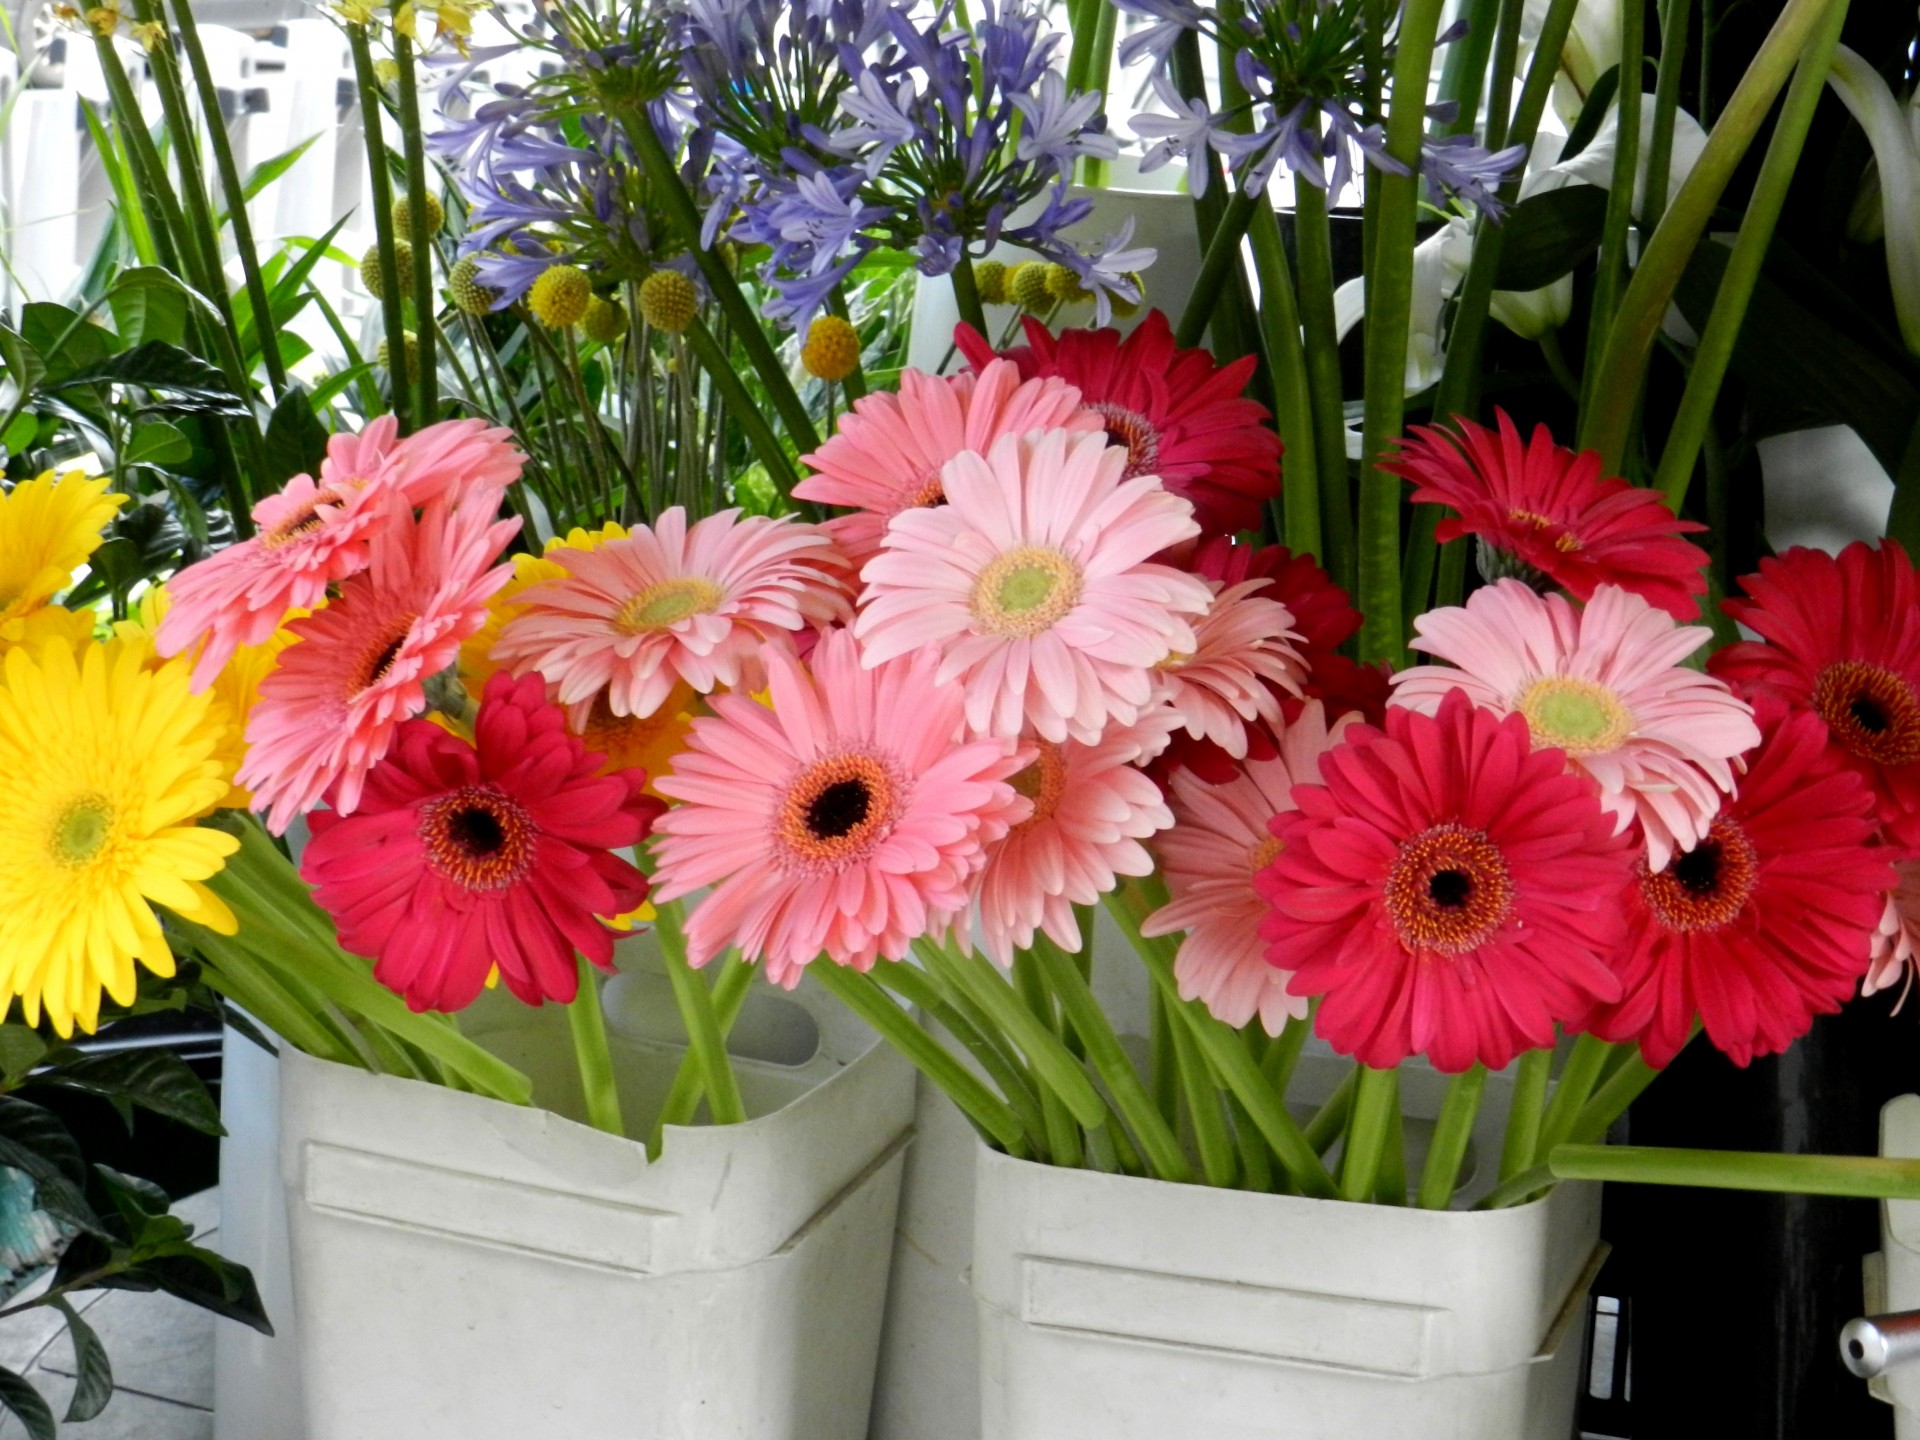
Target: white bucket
(1128, 1309)
(470, 1270)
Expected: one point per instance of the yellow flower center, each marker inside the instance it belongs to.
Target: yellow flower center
(1566, 542)
(82, 831)
(667, 603)
(1260, 856)
(1449, 890)
(1578, 716)
(1023, 592)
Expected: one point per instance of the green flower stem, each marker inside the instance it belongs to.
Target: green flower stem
(235, 192)
(862, 995)
(1615, 388)
(740, 405)
(1203, 1110)
(1157, 1140)
(1222, 1047)
(1313, 235)
(1162, 1076)
(1865, 1177)
(1451, 1136)
(730, 988)
(1093, 171)
(1256, 1160)
(1611, 269)
(966, 294)
(588, 1023)
(1283, 1055)
(1674, 15)
(231, 969)
(964, 1007)
(1523, 1120)
(1715, 351)
(200, 240)
(1083, 20)
(705, 1040)
(666, 187)
(1609, 1102)
(1520, 1188)
(393, 317)
(1389, 301)
(1292, 394)
(1374, 1099)
(918, 989)
(426, 375)
(1222, 255)
(1391, 1186)
(1465, 71)
(1331, 1118)
(1062, 1129)
(1230, 322)
(1585, 1065)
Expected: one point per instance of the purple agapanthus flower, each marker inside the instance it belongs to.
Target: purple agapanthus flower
(1459, 165)
(1111, 269)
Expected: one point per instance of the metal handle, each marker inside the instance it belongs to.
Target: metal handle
(1875, 1344)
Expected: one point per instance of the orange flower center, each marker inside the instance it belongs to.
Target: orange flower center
(837, 810)
(478, 837)
(1134, 431)
(303, 522)
(1871, 711)
(1044, 782)
(1023, 592)
(378, 658)
(1565, 542)
(1260, 856)
(1709, 885)
(929, 492)
(1448, 890)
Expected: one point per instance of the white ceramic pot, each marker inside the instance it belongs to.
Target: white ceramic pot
(469, 1270)
(1128, 1309)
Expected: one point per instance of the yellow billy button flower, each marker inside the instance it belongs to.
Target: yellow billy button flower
(108, 764)
(560, 296)
(410, 361)
(1063, 285)
(832, 349)
(371, 277)
(48, 528)
(605, 321)
(668, 301)
(990, 279)
(403, 214)
(469, 296)
(1027, 287)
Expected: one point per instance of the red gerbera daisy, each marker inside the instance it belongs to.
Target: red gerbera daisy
(1450, 890)
(1180, 416)
(463, 857)
(1843, 637)
(1767, 922)
(1552, 509)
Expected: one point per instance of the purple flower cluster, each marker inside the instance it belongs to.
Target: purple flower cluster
(1309, 106)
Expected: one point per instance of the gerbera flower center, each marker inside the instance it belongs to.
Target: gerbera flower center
(82, 831)
(380, 656)
(1872, 712)
(478, 837)
(1708, 886)
(666, 603)
(1260, 856)
(302, 522)
(1131, 429)
(1448, 890)
(837, 810)
(1025, 591)
(1044, 782)
(930, 491)
(1565, 542)
(1581, 717)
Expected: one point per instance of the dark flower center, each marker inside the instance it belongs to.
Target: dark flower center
(1134, 431)
(838, 808)
(1709, 885)
(1871, 711)
(478, 837)
(836, 811)
(379, 659)
(1449, 890)
(476, 831)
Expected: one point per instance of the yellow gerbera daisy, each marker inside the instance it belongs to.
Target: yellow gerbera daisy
(48, 528)
(476, 655)
(107, 764)
(31, 631)
(643, 742)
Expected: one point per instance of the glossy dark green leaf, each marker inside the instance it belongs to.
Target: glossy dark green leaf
(21, 1048)
(1593, 114)
(157, 443)
(92, 1371)
(167, 369)
(34, 1142)
(22, 362)
(155, 1080)
(64, 346)
(1548, 234)
(26, 1404)
(144, 311)
(296, 441)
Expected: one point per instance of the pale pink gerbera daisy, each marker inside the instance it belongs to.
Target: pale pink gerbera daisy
(1243, 658)
(886, 454)
(674, 602)
(467, 461)
(1604, 684)
(1091, 810)
(358, 667)
(1035, 581)
(846, 820)
(1896, 944)
(1219, 841)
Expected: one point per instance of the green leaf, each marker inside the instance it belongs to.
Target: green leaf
(1548, 234)
(65, 346)
(157, 443)
(155, 1080)
(93, 1373)
(268, 171)
(1593, 114)
(21, 434)
(296, 441)
(288, 287)
(24, 365)
(34, 1142)
(327, 389)
(144, 311)
(25, 1403)
(158, 366)
(21, 1048)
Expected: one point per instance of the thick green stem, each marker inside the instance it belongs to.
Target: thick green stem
(392, 316)
(1584, 1067)
(1375, 1097)
(1666, 101)
(741, 407)
(1313, 235)
(1465, 70)
(1865, 1177)
(1389, 302)
(704, 1037)
(1223, 254)
(1203, 1110)
(730, 988)
(1292, 393)
(1715, 351)
(1451, 1136)
(1611, 270)
(966, 294)
(1331, 1118)
(919, 989)
(1523, 1120)
(1608, 1103)
(1283, 1055)
(1230, 322)
(590, 1053)
(426, 374)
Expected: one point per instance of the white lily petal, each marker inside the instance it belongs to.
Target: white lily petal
(1594, 165)
(1897, 156)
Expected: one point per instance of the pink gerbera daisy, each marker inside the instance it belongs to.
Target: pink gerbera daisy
(1091, 810)
(1219, 841)
(1896, 943)
(1449, 890)
(1843, 639)
(463, 857)
(1552, 509)
(1242, 662)
(1605, 685)
(885, 455)
(671, 603)
(1766, 922)
(358, 668)
(1179, 415)
(846, 820)
(460, 460)
(1034, 580)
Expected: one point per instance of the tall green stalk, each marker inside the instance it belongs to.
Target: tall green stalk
(1666, 103)
(1610, 272)
(426, 375)
(591, 1055)
(393, 317)
(1313, 235)
(1292, 393)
